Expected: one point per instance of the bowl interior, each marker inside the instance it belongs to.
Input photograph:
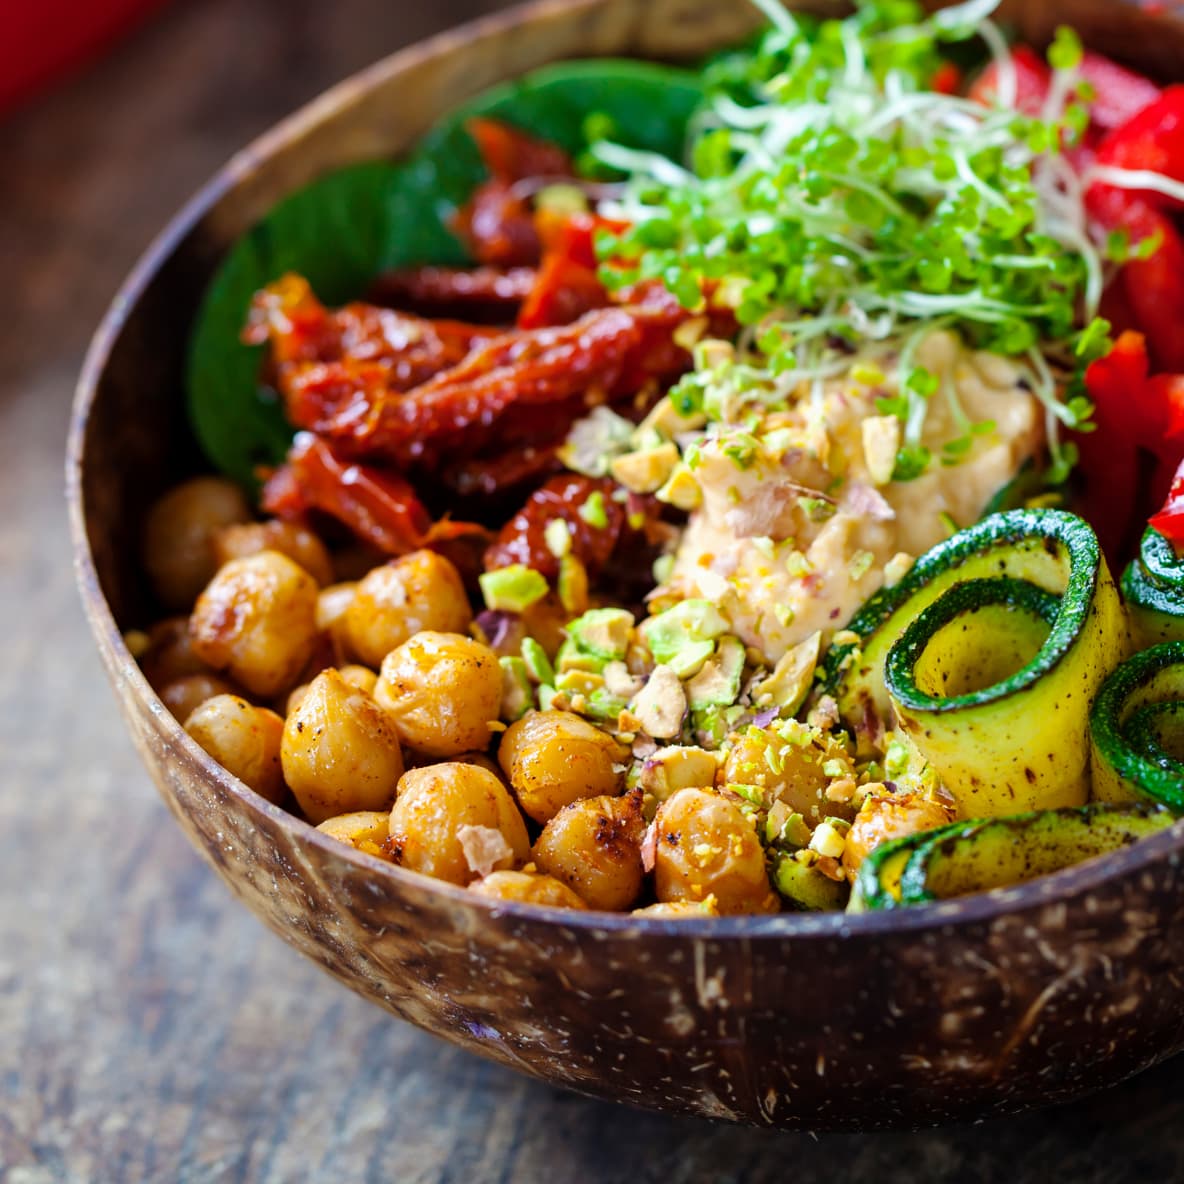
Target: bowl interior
(130, 438)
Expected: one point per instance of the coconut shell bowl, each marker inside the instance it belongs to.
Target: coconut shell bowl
(965, 1009)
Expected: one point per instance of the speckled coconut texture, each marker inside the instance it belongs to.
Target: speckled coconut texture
(974, 1007)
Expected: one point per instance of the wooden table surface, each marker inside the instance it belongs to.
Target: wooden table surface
(150, 1029)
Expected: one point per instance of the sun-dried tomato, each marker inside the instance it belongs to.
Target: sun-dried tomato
(497, 223)
(404, 350)
(522, 539)
(378, 506)
(483, 294)
(606, 354)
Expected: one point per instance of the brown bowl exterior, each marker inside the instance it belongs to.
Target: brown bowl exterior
(972, 1008)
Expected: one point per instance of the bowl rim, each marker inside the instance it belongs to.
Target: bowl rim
(984, 907)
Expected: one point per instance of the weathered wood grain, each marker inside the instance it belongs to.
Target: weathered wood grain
(150, 1029)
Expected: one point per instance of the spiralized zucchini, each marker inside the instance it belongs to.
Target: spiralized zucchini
(1153, 588)
(988, 655)
(969, 857)
(1137, 730)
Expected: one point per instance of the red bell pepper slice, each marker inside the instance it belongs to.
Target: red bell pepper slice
(1152, 140)
(1119, 93)
(1032, 80)
(1169, 520)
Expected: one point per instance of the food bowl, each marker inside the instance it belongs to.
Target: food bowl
(980, 1006)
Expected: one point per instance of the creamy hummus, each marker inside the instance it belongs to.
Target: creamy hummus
(799, 521)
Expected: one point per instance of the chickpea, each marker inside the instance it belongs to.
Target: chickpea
(442, 691)
(170, 655)
(417, 760)
(679, 908)
(256, 619)
(332, 603)
(244, 740)
(298, 543)
(392, 603)
(365, 830)
(787, 760)
(182, 696)
(340, 752)
(529, 888)
(456, 822)
(360, 677)
(706, 847)
(178, 536)
(885, 816)
(554, 758)
(594, 847)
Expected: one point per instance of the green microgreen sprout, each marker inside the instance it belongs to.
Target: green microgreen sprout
(844, 211)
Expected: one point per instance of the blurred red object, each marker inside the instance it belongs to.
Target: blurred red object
(41, 41)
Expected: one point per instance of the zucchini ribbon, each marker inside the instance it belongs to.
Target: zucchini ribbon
(1153, 588)
(967, 857)
(988, 654)
(1137, 730)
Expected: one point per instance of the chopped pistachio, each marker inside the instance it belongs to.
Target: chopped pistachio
(881, 443)
(681, 490)
(593, 511)
(647, 470)
(667, 422)
(602, 631)
(579, 682)
(538, 665)
(860, 564)
(660, 705)
(789, 682)
(619, 682)
(663, 568)
(557, 536)
(680, 766)
(573, 585)
(512, 589)
(517, 693)
(717, 682)
(827, 840)
(594, 440)
(561, 198)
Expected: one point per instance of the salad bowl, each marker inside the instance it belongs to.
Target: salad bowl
(964, 1009)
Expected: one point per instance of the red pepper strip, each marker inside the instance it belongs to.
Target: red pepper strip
(1119, 93)
(1138, 416)
(378, 506)
(1169, 520)
(1152, 289)
(1033, 77)
(477, 293)
(947, 79)
(1153, 140)
(1109, 455)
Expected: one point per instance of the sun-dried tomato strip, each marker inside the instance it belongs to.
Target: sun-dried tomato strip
(378, 506)
(475, 294)
(605, 354)
(522, 539)
(497, 224)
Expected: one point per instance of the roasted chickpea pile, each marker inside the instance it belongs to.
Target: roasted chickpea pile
(572, 759)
